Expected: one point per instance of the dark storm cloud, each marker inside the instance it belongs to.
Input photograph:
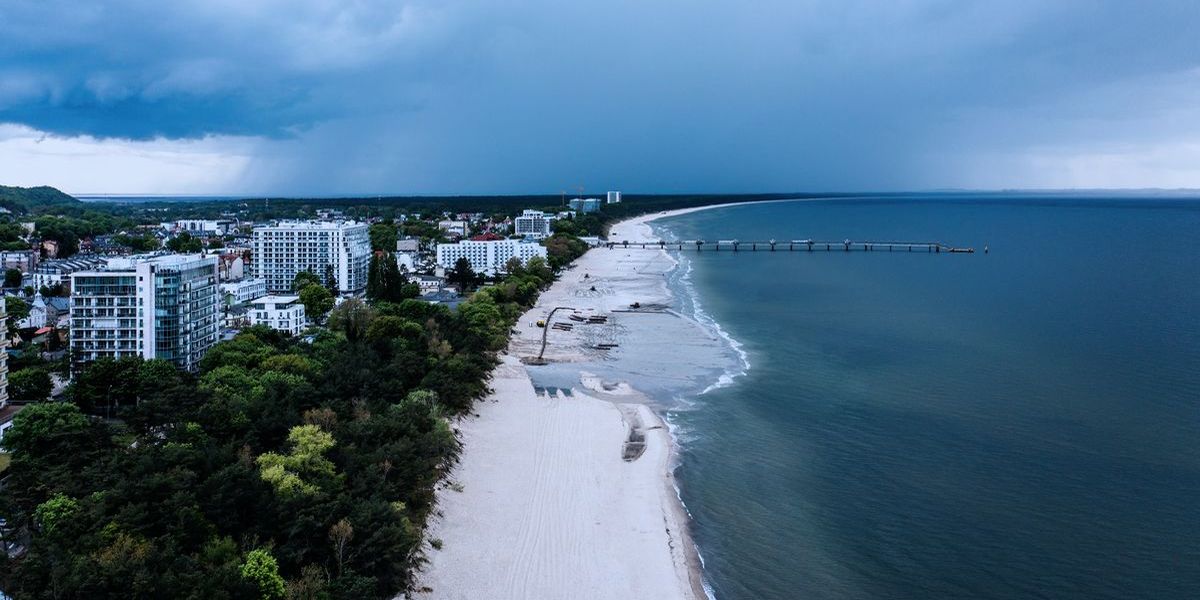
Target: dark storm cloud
(666, 95)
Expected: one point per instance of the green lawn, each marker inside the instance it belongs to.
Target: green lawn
(4, 460)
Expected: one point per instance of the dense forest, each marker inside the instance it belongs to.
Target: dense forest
(285, 468)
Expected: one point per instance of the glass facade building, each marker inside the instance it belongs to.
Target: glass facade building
(163, 307)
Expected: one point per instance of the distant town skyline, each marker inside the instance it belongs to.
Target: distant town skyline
(306, 98)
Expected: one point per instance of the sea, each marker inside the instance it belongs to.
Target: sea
(1020, 423)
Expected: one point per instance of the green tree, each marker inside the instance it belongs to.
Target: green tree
(12, 278)
(331, 282)
(317, 302)
(385, 282)
(538, 268)
(262, 571)
(383, 236)
(138, 243)
(56, 512)
(299, 472)
(483, 321)
(29, 385)
(17, 310)
(304, 279)
(462, 275)
(353, 318)
(40, 426)
(106, 385)
(562, 248)
(185, 243)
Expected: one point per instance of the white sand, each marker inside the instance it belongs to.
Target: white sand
(548, 508)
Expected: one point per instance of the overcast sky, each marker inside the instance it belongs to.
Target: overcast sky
(316, 97)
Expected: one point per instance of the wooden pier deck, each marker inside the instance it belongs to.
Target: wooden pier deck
(794, 246)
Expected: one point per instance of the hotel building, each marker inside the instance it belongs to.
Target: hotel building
(488, 257)
(533, 224)
(284, 249)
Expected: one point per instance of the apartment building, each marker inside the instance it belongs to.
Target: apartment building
(454, 227)
(240, 292)
(164, 307)
(286, 248)
(281, 313)
(488, 257)
(201, 227)
(50, 273)
(584, 205)
(24, 261)
(533, 224)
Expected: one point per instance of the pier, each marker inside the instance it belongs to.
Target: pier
(793, 246)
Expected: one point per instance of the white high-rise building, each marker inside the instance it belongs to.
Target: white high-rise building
(3, 354)
(6, 412)
(488, 257)
(533, 224)
(614, 198)
(163, 307)
(284, 249)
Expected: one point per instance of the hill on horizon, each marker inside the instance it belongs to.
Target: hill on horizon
(22, 200)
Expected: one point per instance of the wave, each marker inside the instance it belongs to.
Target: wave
(688, 302)
(714, 328)
(677, 434)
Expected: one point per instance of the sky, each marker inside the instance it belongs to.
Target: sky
(325, 97)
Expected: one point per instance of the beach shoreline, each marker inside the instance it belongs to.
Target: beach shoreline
(544, 502)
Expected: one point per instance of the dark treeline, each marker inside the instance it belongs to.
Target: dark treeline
(393, 206)
(285, 468)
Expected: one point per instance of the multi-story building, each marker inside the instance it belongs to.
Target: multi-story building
(408, 244)
(53, 272)
(533, 224)
(282, 313)
(614, 198)
(240, 292)
(164, 307)
(454, 227)
(3, 354)
(488, 257)
(24, 261)
(201, 227)
(6, 412)
(286, 248)
(584, 205)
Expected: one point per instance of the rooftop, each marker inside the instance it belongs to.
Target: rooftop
(272, 299)
(128, 263)
(308, 224)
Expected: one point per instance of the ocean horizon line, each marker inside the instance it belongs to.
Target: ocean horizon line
(100, 196)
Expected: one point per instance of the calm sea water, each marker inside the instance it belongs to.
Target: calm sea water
(1020, 424)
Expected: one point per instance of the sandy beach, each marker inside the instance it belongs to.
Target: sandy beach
(551, 499)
